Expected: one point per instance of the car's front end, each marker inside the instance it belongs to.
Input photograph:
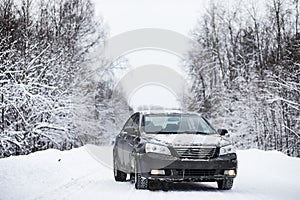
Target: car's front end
(175, 154)
(187, 163)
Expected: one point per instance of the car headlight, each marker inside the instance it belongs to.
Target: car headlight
(227, 150)
(154, 148)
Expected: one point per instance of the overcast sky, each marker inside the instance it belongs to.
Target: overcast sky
(175, 15)
(126, 15)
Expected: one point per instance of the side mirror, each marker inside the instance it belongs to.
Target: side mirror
(136, 140)
(222, 131)
(130, 130)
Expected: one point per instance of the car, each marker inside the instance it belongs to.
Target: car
(155, 149)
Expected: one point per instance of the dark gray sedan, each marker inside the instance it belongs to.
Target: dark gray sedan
(157, 148)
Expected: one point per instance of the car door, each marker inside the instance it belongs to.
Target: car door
(130, 141)
(121, 143)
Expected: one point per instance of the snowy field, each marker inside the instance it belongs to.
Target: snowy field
(76, 174)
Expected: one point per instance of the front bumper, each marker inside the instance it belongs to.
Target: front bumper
(177, 170)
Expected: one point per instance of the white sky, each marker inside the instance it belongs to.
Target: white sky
(127, 15)
(154, 95)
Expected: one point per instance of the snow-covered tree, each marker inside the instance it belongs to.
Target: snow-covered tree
(44, 48)
(245, 70)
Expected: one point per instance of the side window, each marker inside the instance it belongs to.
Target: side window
(128, 123)
(133, 121)
(136, 121)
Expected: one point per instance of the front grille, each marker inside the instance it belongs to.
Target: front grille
(195, 172)
(195, 152)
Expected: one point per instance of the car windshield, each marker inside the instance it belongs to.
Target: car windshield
(175, 123)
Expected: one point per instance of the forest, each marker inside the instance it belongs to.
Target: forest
(49, 93)
(244, 66)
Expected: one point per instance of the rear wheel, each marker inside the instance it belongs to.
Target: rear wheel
(225, 184)
(132, 178)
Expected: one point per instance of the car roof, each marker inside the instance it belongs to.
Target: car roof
(162, 112)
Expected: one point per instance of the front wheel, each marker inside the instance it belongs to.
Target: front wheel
(119, 175)
(141, 183)
(225, 184)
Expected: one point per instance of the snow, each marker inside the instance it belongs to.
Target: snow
(78, 174)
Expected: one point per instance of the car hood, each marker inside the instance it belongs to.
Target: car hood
(185, 139)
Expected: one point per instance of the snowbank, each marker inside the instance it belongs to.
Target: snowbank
(76, 174)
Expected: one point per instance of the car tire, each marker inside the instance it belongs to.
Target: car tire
(225, 184)
(119, 175)
(141, 183)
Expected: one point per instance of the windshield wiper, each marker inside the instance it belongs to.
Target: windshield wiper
(167, 132)
(180, 132)
(196, 132)
(204, 133)
(163, 132)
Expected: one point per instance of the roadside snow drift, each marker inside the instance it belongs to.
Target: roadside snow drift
(76, 174)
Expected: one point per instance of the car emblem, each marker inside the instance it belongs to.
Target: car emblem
(189, 151)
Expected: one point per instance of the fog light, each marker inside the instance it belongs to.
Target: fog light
(229, 172)
(157, 172)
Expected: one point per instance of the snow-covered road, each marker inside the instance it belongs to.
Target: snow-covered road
(76, 174)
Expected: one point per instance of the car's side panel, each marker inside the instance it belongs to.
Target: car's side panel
(121, 146)
(129, 143)
(118, 152)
